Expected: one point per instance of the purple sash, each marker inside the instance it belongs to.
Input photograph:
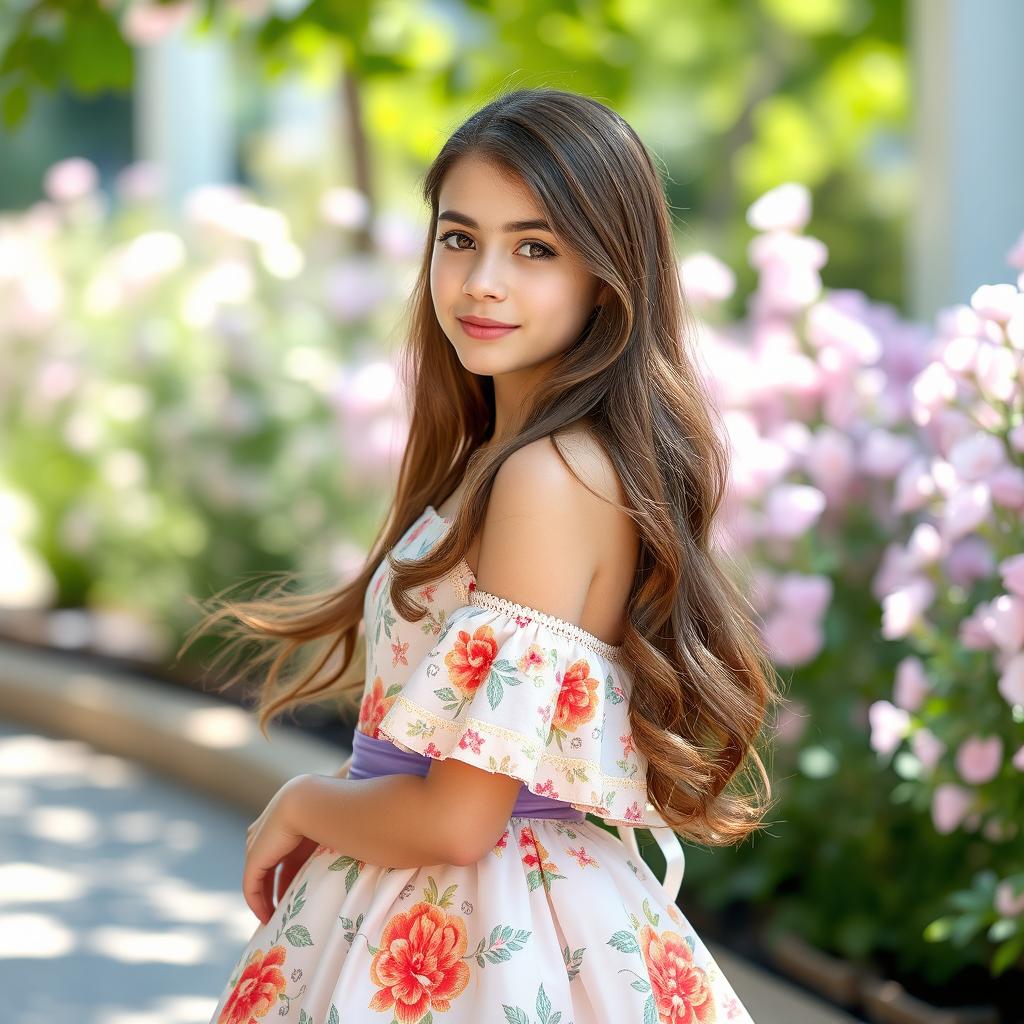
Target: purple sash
(372, 757)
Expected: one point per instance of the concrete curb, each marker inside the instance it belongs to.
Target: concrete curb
(193, 738)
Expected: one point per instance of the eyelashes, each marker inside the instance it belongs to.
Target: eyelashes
(549, 253)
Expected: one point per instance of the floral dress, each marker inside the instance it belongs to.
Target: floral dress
(559, 923)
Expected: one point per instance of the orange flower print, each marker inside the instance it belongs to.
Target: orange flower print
(633, 812)
(419, 963)
(584, 858)
(682, 993)
(373, 708)
(469, 661)
(627, 744)
(502, 843)
(427, 593)
(400, 652)
(577, 699)
(257, 988)
(532, 659)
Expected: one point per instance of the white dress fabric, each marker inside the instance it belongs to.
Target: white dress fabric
(560, 923)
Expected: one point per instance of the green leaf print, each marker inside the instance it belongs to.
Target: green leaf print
(332, 1017)
(517, 1015)
(351, 866)
(446, 899)
(640, 985)
(573, 961)
(537, 878)
(624, 942)
(393, 689)
(612, 693)
(650, 915)
(501, 944)
(298, 935)
(503, 673)
(650, 1012)
(305, 1018)
(446, 695)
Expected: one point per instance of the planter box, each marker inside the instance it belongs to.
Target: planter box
(880, 1000)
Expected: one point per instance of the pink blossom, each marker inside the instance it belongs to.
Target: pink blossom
(969, 560)
(889, 724)
(885, 453)
(791, 509)
(792, 638)
(1018, 759)
(979, 760)
(786, 207)
(912, 684)
(932, 388)
(706, 279)
(830, 460)
(71, 179)
(973, 633)
(925, 545)
(805, 595)
(1004, 620)
(903, 608)
(145, 23)
(1011, 682)
(976, 456)
(914, 486)
(1012, 571)
(1007, 486)
(927, 747)
(996, 371)
(950, 804)
(1007, 902)
(966, 510)
(1016, 437)
(994, 301)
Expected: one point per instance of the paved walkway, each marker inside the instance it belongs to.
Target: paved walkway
(120, 900)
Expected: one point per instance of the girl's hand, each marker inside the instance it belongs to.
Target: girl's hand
(272, 838)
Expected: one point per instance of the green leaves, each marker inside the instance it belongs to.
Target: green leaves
(77, 45)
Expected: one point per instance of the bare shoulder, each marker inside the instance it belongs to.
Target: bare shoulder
(553, 528)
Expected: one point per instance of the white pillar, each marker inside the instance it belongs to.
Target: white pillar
(968, 80)
(183, 111)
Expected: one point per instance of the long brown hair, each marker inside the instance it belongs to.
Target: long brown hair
(702, 680)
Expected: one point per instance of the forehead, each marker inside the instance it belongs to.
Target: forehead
(487, 193)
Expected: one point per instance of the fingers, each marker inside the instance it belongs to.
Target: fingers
(268, 894)
(252, 890)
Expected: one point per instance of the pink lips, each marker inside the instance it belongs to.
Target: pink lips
(485, 332)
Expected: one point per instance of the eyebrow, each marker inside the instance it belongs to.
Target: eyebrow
(510, 228)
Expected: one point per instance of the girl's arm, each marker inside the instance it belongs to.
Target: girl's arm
(401, 821)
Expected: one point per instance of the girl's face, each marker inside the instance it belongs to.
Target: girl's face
(491, 260)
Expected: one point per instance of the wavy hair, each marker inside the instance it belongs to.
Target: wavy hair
(703, 681)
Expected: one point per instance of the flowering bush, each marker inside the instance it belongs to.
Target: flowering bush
(196, 400)
(876, 492)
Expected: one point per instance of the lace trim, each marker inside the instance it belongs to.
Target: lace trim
(464, 581)
(561, 627)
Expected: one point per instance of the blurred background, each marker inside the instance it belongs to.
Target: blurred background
(209, 221)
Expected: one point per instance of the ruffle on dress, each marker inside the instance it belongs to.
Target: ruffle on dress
(516, 691)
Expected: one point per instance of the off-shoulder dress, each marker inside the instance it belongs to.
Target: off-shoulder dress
(561, 922)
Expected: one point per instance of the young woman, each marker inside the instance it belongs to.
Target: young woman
(542, 645)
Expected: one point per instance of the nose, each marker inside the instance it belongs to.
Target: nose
(484, 279)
